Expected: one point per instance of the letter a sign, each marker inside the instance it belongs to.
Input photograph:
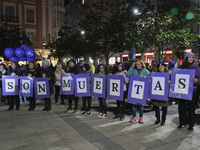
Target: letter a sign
(159, 88)
(138, 89)
(10, 85)
(41, 88)
(98, 85)
(82, 85)
(26, 86)
(115, 87)
(66, 84)
(182, 83)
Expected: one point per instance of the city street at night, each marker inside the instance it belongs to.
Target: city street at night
(56, 130)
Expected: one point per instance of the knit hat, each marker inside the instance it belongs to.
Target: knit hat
(120, 64)
(46, 62)
(171, 63)
(189, 54)
(87, 67)
(153, 62)
(71, 60)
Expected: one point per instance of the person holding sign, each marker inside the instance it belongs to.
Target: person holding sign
(86, 70)
(187, 107)
(57, 74)
(121, 104)
(101, 70)
(47, 72)
(139, 71)
(72, 68)
(158, 103)
(14, 71)
(31, 72)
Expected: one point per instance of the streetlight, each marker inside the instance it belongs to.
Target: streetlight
(82, 32)
(136, 11)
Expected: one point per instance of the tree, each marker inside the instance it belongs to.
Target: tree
(163, 26)
(105, 31)
(69, 43)
(12, 36)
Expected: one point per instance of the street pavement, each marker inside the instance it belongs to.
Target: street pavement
(56, 130)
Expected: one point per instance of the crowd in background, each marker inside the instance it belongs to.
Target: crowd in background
(133, 68)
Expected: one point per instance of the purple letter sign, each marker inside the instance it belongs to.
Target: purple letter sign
(138, 89)
(10, 85)
(182, 83)
(115, 87)
(26, 86)
(98, 85)
(82, 85)
(67, 84)
(159, 87)
(41, 88)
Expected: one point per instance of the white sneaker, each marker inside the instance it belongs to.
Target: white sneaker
(100, 115)
(104, 116)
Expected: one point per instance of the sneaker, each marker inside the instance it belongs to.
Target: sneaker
(89, 112)
(122, 117)
(75, 111)
(133, 119)
(141, 121)
(190, 129)
(100, 115)
(181, 126)
(117, 116)
(83, 112)
(104, 116)
(68, 110)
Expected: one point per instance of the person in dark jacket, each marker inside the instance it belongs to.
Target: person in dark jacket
(86, 70)
(186, 107)
(32, 72)
(47, 72)
(158, 103)
(101, 70)
(14, 71)
(72, 68)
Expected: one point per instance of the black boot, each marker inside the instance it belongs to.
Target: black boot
(162, 123)
(117, 116)
(157, 121)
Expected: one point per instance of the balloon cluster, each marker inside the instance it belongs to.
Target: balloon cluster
(22, 53)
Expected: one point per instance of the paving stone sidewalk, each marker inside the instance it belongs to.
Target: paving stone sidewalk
(56, 130)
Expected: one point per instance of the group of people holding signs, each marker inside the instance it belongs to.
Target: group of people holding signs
(161, 86)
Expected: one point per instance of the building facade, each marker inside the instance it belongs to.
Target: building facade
(40, 19)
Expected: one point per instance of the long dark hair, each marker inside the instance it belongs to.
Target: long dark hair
(98, 68)
(186, 64)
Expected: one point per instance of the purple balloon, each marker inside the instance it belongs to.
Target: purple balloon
(13, 59)
(19, 52)
(9, 52)
(30, 59)
(22, 58)
(30, 52)
(24, 46)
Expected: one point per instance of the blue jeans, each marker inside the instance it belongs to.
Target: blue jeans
(140, 108)
(102, 105)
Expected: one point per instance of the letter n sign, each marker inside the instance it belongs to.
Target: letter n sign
(115, 87)
(41, 88)
(10, 85)
(138, 89)
(182, 83)
(98, 88)
(26, 86)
